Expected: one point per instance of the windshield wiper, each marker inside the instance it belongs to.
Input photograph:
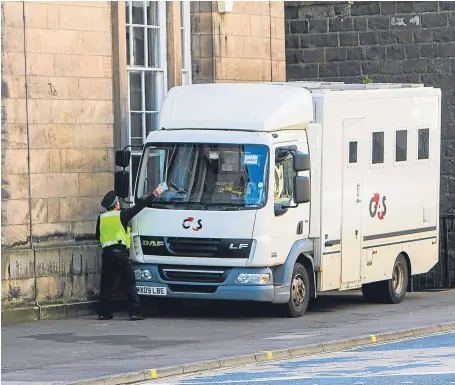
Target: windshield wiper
(160, 205)
(203, 206)
(232, 205)
(195, 205)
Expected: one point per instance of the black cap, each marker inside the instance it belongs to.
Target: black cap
(109, 200)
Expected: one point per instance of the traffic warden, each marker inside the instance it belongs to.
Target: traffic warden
(113, 232)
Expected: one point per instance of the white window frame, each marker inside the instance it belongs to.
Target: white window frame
(161, 83)
(185, 27)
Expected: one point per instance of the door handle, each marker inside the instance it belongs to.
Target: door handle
(358, 193)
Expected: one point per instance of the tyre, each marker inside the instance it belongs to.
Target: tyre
(393, 290)
(300, 293)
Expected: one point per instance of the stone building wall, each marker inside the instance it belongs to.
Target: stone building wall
(64, 110)
(57, 147)
(245, 45)
(407, 41)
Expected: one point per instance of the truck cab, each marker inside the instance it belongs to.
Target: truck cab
(236, 160)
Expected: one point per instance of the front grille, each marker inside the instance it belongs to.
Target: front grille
(193, 274)
(193, 247)
(192, 289)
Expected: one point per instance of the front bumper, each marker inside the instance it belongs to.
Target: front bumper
(225, 289)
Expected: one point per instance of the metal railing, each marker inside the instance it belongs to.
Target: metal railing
(442, 275)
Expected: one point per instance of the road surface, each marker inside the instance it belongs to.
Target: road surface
(77, 349)
(420, 361)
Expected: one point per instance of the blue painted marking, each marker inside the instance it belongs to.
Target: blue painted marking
(430, 342)
(421, 361)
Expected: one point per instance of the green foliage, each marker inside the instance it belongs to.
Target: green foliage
(366, 80)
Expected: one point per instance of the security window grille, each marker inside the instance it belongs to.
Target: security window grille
(401, 145)
(424, 143)
(377, 155)
(352, 152)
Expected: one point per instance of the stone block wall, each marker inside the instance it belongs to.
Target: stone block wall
(245, 45)
(386, 42)
(407, 41)
(57, 109)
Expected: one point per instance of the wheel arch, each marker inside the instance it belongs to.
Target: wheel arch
(301, 252)
(308, 263)
(408, 263)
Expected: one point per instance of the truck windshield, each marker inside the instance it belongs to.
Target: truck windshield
(205, 176)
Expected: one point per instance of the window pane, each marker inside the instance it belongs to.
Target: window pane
(128, 44)
(284, 175)
(213, 174)
(424, 143)
(151, 91)
(152, 13)
(401, 147)
(183, 48)
(153, 47)
(352, 152)
(127, 11)
(138, 46)
(135, 91)
(136, 128)
(152, 172)
(135, 160)
(378, 148)
(151, 122)
(138, 12)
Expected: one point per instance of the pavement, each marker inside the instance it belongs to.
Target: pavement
(66, 351)
(417, 361)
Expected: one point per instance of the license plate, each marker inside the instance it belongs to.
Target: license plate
(147, 290)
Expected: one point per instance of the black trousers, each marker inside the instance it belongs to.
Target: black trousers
(117, 262)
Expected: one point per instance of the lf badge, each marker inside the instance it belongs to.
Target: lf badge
(239, 246)
(190, 222)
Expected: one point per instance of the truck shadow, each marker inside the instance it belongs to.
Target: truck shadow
(325, 303)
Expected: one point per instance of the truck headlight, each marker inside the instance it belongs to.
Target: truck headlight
(143, 274)
(245, 278)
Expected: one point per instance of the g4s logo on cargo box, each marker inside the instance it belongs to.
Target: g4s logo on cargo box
(191, 222)
(378, 206)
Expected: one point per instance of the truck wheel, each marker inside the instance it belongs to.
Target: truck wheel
(393, 290)
(300, 293)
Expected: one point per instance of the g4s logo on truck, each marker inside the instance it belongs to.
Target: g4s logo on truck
(190, 221)
(375, 206)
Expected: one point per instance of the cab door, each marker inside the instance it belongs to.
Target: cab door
(354, 155)
(289, 224)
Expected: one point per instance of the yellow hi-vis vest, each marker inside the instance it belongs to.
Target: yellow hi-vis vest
(112, 231)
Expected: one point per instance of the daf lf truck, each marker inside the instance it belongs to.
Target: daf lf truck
(279, 191)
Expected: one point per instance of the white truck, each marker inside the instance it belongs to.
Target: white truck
(278, 191)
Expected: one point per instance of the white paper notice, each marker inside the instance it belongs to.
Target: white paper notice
(251, 159)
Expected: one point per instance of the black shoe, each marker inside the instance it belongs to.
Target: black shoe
(136, 317)
(105, 317)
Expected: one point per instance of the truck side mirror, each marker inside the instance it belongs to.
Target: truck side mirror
(302, 189)
(122, 158)
(122, 183)
(301, 162)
